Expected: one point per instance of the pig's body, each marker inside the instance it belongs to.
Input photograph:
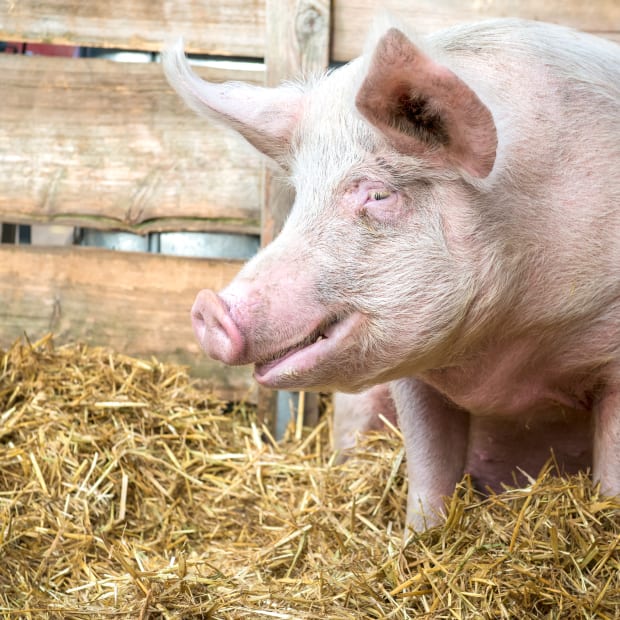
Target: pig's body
(456, 230)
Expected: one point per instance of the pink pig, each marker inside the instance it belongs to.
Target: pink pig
(456, 232)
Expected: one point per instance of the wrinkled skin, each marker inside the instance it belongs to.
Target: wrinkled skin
(456, 232)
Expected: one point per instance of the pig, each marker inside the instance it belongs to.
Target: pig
(456, 233)
(357, 414)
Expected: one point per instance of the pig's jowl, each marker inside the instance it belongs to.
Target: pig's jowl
(456, 232)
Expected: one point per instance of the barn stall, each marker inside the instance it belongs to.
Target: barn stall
(128, 490)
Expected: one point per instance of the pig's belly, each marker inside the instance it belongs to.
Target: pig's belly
(499, 446)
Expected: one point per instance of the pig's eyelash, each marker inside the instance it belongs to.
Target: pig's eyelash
(379, 194)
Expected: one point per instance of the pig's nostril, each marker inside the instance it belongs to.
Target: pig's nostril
(199, 325)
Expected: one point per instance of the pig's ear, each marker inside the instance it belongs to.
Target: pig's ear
(424, 109)
(265, 117)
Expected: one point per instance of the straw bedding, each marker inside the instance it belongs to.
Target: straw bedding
(127, 492)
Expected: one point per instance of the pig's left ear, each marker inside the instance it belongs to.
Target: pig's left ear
(424, 109)
(265, 117)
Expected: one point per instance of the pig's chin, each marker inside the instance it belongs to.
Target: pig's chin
(299, 366)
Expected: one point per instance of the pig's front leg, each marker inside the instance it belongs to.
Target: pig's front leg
(606, 449)
(435, 433)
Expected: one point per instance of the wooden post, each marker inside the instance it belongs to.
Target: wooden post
(297, 43)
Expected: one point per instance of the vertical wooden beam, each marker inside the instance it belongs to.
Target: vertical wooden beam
(297, 38)
(297, 44)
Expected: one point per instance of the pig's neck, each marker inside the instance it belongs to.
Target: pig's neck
(518, 376)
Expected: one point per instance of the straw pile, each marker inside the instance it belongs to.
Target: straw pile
(126, 492)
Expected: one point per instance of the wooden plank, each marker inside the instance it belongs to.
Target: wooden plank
(229, 27)
(297, 38)
(352, 18)
(137, 304)
(297, 43)
(102, 144)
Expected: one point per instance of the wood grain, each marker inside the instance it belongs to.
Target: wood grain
(229, 27)
(297, 44)
(137, 304)
(237, 27)
(103, 144)
(352, 18)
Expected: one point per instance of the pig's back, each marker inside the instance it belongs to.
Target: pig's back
(507, 43)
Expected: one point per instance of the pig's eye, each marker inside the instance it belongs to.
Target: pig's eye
(380, 194)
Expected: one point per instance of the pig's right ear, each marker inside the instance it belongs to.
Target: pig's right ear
(424, 109)
(265, 117)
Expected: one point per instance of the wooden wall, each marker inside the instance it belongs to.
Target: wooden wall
(106, 145)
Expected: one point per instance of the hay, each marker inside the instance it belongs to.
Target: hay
(126, 492)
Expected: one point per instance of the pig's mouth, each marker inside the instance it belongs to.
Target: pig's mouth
(289, 367)
(318, 334)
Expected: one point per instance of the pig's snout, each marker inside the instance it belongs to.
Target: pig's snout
(215, 328)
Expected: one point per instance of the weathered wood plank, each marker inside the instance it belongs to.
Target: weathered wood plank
(102, 144)
(137, 304)
(298, 39)
(229, 27)
(352, 18)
